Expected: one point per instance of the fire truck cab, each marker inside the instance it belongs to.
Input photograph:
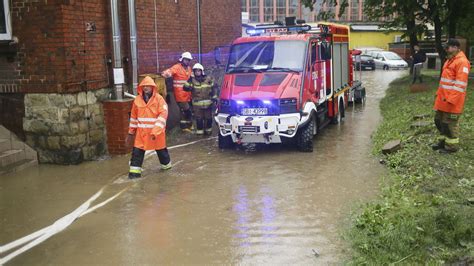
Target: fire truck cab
(284, 83)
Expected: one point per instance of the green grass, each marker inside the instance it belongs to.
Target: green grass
(425, 213)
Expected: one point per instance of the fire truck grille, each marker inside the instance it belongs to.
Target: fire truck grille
(249, 129)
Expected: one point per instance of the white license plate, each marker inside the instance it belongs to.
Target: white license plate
(254, 111)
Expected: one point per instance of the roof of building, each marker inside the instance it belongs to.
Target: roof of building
(372, 27)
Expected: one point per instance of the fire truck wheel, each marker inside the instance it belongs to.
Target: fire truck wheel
(225, 142)
(304, 138)
(361, 97)
(341, 114)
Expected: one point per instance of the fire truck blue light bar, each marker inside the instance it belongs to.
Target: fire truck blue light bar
(258, 31)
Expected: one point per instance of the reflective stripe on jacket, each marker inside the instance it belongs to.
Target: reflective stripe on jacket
(180, 75)
(202, 90)
(452, 87)
(149, 119)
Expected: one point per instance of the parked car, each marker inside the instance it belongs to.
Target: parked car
(366, 62)
(367, 50)
(388, 60)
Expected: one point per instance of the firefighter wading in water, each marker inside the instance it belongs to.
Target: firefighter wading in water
(450, 97)
(203, 94)
(148, 126)
(180, 73)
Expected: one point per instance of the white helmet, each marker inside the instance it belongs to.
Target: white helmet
(186, 55)
(198, 66)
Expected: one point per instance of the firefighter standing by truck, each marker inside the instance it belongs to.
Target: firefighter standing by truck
(450, 97)
(180, 73)
(203, 93)
(148, 127)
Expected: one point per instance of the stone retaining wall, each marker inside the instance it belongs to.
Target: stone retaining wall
(66, 128)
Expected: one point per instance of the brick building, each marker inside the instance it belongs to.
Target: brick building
(265, 11)
(56, 62)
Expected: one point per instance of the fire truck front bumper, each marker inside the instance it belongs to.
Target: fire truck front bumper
(258, 129)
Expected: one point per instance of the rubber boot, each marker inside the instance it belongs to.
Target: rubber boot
(166, 166)
(200, 126)
(134, 175)
(208, 126)
(438, 146)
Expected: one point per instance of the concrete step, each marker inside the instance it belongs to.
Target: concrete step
(18, 166)
(11, 156)
(5, 145)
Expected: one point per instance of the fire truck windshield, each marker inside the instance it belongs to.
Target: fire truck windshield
(282, 56)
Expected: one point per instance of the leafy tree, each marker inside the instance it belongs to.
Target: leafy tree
(447, 16)
(327, 15)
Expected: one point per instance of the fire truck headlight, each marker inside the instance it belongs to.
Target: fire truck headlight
(225, 102)
(240, 102)
(267, 102)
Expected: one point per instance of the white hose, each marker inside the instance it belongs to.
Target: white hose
(41, 235)
(55, 228)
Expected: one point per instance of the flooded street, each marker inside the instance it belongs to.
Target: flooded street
(264, 206)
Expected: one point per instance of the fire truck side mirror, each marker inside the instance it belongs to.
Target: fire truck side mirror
(325, 51)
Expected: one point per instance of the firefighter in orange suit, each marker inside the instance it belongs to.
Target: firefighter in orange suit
(450, 97)
(148, 127)
(180, 73)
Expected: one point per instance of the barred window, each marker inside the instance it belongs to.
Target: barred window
(244, 5)
(268, 10)
(293, 10)
(254, 10)
(281, 10)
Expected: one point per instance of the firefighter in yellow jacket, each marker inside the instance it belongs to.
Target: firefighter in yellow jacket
(450, 97)
(148, 127)
(203, 95)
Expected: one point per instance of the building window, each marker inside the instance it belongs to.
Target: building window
(268, 10)
(254, 10)
(5, 21)
(293, 8)
(355, 10)
(281, 10)
(244, 5)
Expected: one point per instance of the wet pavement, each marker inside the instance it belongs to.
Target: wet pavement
(246, 206)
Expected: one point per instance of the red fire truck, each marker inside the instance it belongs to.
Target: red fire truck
(284, 83)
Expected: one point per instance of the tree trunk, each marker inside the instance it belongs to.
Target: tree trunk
(411, 24)
(453, 18)
(438, 43)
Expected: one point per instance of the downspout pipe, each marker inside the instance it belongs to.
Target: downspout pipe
(133, 43)
(118, 88)
(199, 34)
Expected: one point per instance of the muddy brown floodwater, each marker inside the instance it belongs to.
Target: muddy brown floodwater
(270, 205)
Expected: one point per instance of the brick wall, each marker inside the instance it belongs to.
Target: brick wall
(55, 53)
(85, 52)
(221, 22)
(177, 30)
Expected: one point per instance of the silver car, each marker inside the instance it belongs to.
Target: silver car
(388, 60)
